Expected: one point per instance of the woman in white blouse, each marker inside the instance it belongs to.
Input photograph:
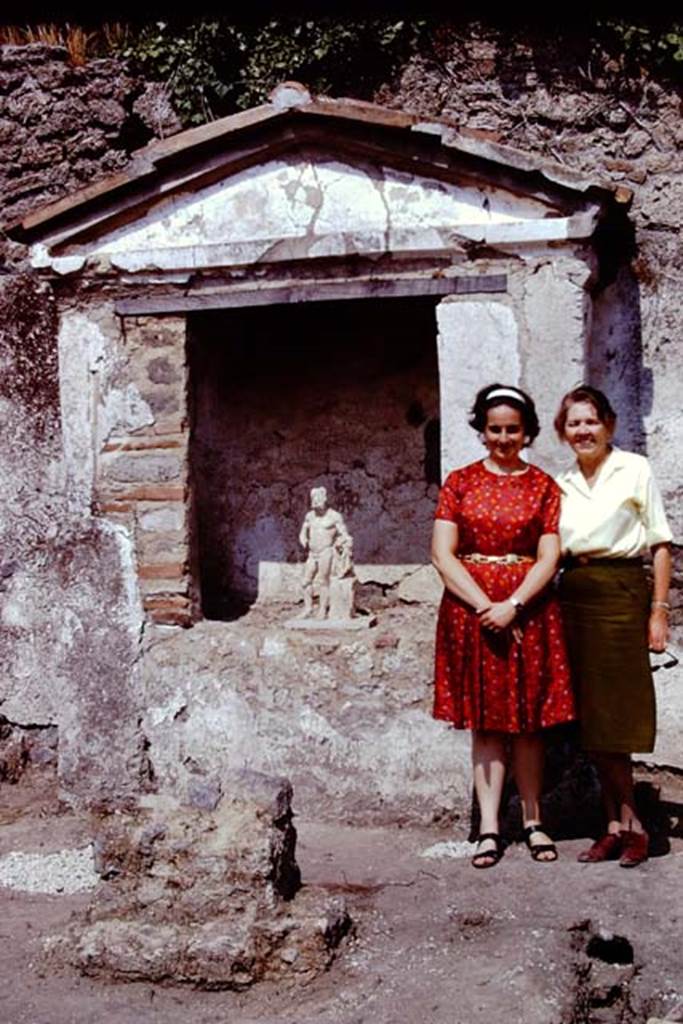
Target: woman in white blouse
(612, 514)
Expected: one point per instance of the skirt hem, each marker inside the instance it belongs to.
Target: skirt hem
(471, 726)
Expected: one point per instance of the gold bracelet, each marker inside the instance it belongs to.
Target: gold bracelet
(661, 604)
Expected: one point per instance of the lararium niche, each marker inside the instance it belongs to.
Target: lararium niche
(284, 398)
(251, 309)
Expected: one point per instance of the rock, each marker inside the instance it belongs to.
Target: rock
(155, 110)
(14, 755)
(204, 795)
(204, 898)
(423, 586)
(272, 795)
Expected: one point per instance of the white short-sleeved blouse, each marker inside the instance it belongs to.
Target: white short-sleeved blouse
(621, 516)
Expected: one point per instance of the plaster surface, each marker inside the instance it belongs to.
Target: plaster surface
(325, 207)
(69, 608)
(668, 751)
(346, 718)
(478, 344)
(554, 310)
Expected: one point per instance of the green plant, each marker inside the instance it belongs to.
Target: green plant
(214, 66)
(642, 48)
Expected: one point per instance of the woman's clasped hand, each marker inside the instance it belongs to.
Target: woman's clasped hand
(501, 665)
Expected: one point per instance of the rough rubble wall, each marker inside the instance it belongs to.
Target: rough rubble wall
(545, 95)
(347, 719)
(64, 640)
(62, 127)
(339, 395)
(69, 636)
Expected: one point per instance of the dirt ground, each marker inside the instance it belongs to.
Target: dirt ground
(434, 940)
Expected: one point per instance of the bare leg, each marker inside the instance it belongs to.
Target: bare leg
(488, 763)
(324, 570)
(310, 569)
(616, 779)
(528, 757)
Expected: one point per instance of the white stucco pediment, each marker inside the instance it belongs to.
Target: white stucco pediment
(313, 205)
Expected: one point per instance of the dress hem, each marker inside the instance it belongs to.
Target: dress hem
(470, 727)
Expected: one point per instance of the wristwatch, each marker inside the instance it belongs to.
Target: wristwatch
(515, 601)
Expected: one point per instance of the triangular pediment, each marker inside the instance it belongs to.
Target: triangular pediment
(302, 179)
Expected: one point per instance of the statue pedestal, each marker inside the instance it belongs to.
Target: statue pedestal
(341, 597)
(341, 614)
(357, 622)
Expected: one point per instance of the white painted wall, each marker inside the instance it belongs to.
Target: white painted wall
(478, 343)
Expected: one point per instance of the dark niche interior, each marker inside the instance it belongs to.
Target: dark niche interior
(284, 398)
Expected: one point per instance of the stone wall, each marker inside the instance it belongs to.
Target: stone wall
(545, 94)
(63, 127)
(70, 625)
(70, 614)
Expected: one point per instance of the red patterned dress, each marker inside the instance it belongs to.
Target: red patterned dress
(486, 680)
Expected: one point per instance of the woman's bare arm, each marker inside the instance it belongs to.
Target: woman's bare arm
(658, 625)
(451, 570)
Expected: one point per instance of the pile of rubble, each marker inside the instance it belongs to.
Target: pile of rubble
(206, 892)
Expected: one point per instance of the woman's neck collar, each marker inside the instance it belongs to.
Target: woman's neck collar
(517, 469)
(590, 468)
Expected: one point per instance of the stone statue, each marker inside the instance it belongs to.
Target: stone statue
(329, 563)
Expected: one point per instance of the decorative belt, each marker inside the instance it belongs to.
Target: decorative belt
(505, 559)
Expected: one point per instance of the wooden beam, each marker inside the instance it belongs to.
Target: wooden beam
(318, 291)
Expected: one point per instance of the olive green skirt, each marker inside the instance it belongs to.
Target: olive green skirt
(605, 609)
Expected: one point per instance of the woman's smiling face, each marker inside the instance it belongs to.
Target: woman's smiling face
(504, 434)
(585, 432)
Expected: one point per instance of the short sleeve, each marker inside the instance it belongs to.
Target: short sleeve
(448, 505)
(657, 528)
(550, 509)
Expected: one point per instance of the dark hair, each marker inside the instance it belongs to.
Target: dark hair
(515, 398)
(585, 393)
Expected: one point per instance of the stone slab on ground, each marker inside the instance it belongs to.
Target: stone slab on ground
(66, 870)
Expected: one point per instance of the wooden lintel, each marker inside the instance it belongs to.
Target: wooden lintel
(319, 291)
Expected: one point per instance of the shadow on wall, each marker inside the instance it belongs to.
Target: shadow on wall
(284, 398)
(614, 359)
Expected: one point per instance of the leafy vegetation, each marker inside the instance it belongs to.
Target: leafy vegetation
(640, 47)
(213, 66)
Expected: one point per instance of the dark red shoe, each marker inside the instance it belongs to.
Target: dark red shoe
(608, 847)
(634, 848)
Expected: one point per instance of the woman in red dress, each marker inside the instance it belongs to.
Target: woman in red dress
(501, 664)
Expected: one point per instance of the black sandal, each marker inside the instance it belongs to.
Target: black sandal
(492, 856)
(537, 848)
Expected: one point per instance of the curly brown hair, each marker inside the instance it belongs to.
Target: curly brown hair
(585, 393)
